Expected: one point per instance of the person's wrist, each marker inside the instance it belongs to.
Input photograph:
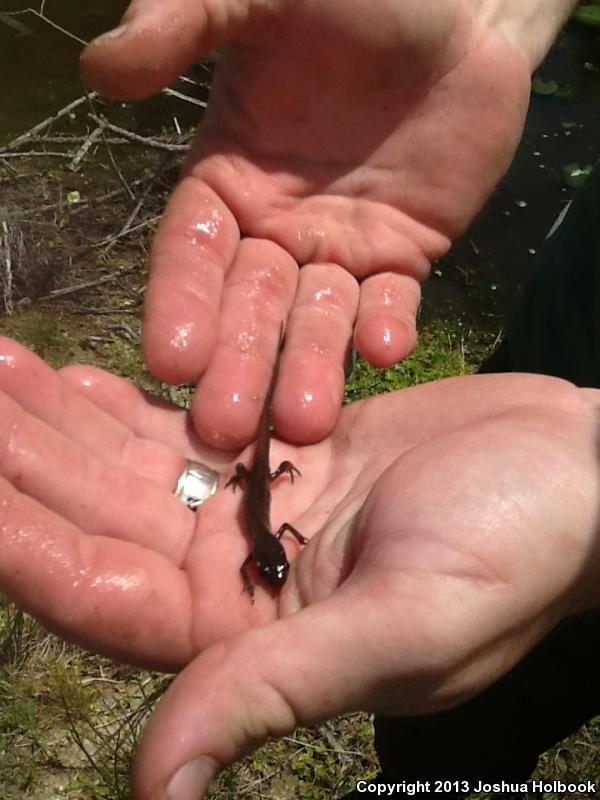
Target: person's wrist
(530, 25)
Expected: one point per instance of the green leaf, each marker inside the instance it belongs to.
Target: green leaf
(574, 175)
(540, 86)
(589, 15)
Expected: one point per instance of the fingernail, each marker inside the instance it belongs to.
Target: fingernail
(192, 780)
(113, 34)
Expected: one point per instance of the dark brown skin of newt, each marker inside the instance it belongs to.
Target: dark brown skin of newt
(266, 549)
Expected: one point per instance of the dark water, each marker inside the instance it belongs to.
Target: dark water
(39, 67)
(39, 64)
(499, 250)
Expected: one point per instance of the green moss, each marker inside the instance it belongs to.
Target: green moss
(447, 346)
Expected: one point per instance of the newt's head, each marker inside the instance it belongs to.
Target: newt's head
(271, 562)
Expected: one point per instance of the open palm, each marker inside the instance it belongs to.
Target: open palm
(355, 140)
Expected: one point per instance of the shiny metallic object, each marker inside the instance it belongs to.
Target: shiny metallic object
(196, 484)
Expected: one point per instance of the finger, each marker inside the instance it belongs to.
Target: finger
(386, 325)
(317, 340)
(259, 292)
(104, 594)
(193, 249)
(238, 693)
(144, 415)
(40, 391)
(101, 498)
(156, 42)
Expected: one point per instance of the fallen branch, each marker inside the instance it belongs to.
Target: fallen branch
(40, 14)
(83, 204)
(111, 157)
(185, 97)
(100, 311)
(128, 226)
(7, 276)
(38, 154)
(87, 285)
(111, 239)
(89, 142)
(45, 123)
(145, 140)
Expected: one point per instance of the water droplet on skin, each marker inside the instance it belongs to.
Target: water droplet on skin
(323, 294)
(123, 582)
(209, 227)
(181, 339)
(246, 341)
(307, 399)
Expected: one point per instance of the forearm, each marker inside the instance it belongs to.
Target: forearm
(531, 25)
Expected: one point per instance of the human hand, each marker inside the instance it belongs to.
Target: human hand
(444, 547)
(354, 139)
(464, 553)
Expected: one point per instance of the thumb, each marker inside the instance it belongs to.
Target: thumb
(156, 42)
(236, 694)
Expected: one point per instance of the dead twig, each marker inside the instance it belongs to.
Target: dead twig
(45, 123)
(89, 142)
(68, 140)
(87, 285)
(185, 97)
(111, 239)
(38, 154)
(102, 311)
(7, 269)
(9, 168)
(40, 14)
(95, 201)
(128, 226)
(144, 140)
(111, 157)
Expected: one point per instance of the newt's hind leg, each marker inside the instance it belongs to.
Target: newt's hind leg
(246, 579)
(285, 467)
(297, 535)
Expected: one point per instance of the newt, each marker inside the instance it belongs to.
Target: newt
(266, 550)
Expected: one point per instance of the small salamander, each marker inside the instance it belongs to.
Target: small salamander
(266, 549)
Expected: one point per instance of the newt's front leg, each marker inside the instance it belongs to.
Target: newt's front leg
(242, 473)
(285, 467)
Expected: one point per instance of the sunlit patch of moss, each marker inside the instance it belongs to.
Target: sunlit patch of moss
(446, 347)
(42, 332)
